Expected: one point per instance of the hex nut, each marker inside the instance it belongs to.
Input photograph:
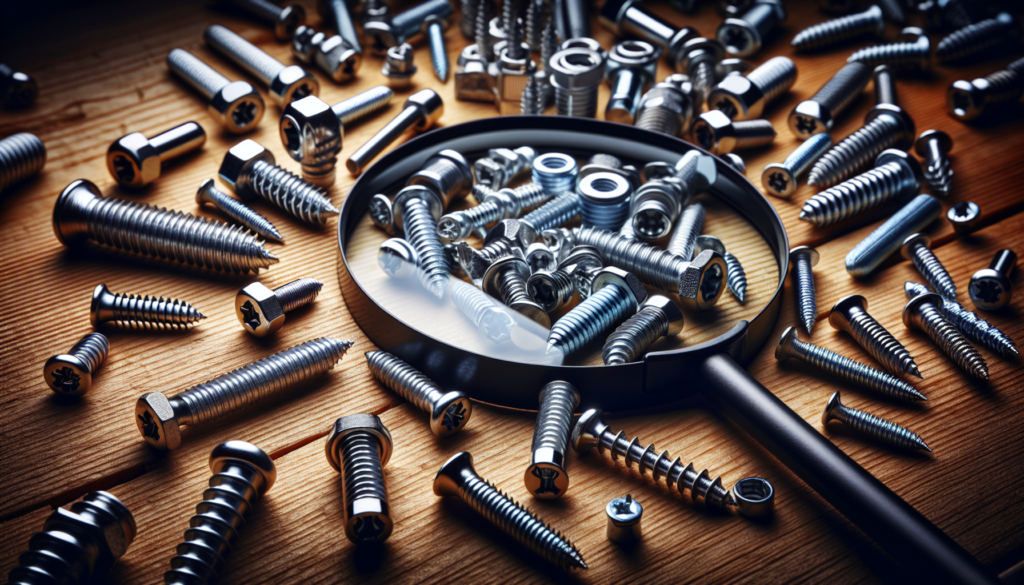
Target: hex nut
(259, 310)
(345, 425)
(671, 310)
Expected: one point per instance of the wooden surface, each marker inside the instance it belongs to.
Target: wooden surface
(108, 78)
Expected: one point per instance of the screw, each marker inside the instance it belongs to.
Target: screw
(781, 180)
(382, 213)
(237, 211)
(970, 324)
(615, 295)
(505, 279)
(818, 114)
(435, 27)
(546, 477)
(261, 311)
(331, 53)
(965, 217)
(537, 18)
(160, 418)
(417, 210)
(803, 258)
(358, 447)
(554, 213)
(923, 313)
(699, 57)
(284, 19)
(488, 317)
(496, 205)
(449, 411)
(665, 108)
(840, 30)
(871, 425)
(382, 34)
(968, 100)
(130, 311)
(917, 249)
(896, 175)
(867, 255)
(885, 85)
(737, 277)
(991, 288)
(744, 35)
(501, 165)
(397, 258)
(628, 18)
(78, 545)
(934, 145)
(22, 155)
(134, 160)
(70, 374)
(399, 67)
(975, 39)
(624, 515)
(235, 105)
(576, 74)
(17, 89)
(736, 162)
(484, 42)
(285, 83)
(885, 126)
(790, 346)
(656, 206)
(851, 315)
(420, 111)
(744, 98)
(715, 132)
(548, 47)
(911, 51)
(658, 317)
(552, 290)
(629, 69)
(683, 240)
(338, 11)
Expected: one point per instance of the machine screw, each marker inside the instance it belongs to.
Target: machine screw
(284, 19)
(782, 180)
(359, 447)
(458, 478)
(744, 35)
(380, 35)
(398, 66)
(691, 223)
(449, 411)
(235, 105)
(665, 108)
(627, 17)
(840, 30)
(78, 545)
(331, 53)
(911, 51)
(871, 425)
(896, 175)
(134, 160)
(658, 317)
(737, 277)
(970, 324)
(656, 206)
(991, 288)
(70, 374)
(803, 259)
(933, 146)
(965, 217)
(867, 255)
(338, 12)
(851, 315)
(917, 249)
(261, 311)
(885, 126)
(435, 27)
(615, 295)
(285, 83)
(496, 205)
(968, 100)
(238, 211)
(699, 57)
(624, 515)
(924, 314)
(17, 89)
(505, 279)
(630, 68)
(546, 477)
(818, 114)
(488, 317)
(160, 418)
(715, 132)
(22, 156)
(744, 98)
(421, 111)
(790, 346)
(974, 39)
(128, 311)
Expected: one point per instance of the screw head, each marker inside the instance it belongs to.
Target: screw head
(546, 463)
(737, 97)
(839, 317)
(907, 127)
(259, 310)
(671, 310)
(133, 161)
(157, 422)
(310, 131)
(714, 132)
(238, 159)
(450, 413)
(943, 139)
(739, 37)
(432, 199)
(810, 252)
(99, 309)
(291, 84)
(907, 249)
(833, 405)
(912, 311)
(624, 515)
(909, 164)
(809, 118)
(965, 217)
(67, 375)
(966, 100)
(235, 452)
(703, 281)
(990, 289)
(346, 425)
(755, 497)
(289, 19)
(778, 180)
(786, 349)
(587, 430)
(625, 280)
(453, 474)
(431, 108)
(238, 107)
(397, 258)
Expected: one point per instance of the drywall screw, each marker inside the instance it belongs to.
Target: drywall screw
(383, 34)
(503, 204)
(130, 311)
(851, 315)
(79, 544)
(359, 447)
(330, 53)
(917, 249)
(699, 57)
(924, 314)
(974, 39)
(235, 105)
(261, 311)
(991, 289)
(284, 19)
(803, 259)
(160, 418)
(629, 69)
(501, 165)
(782, 180)
(70, 374)
(970, 324)
(715, 132)
(17, 89)
(505, 279)
(435, 27)
(615, 296)
(135, 161)
(737, 277)
(554, 213)
(658, 317)
(238, 211)
(665, 108)
(885, 126)
(242, 474)
(871, 425)
(624, 515)
(683, 240)
(933, 146)
(546, 477)
(790, 346)
(744, 98)
(965, 217)
(745, 34)
(285, 83)
(420, 111)
(841, 30)
(458, 478)
(818, 114)
(968, 100)
(22, 155)
(488, 317)
(869, 254)
(896, 175)
(911, 51)
(251, 170)
(338, 12)
(449, 411)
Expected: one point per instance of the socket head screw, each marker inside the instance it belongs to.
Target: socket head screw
(735, 161)
(671, 310)
(134, 160)
(259, 310)
(312, 134)
(625, 280)
(991, 288)
(738, 97)
(293, 83)
(232, 452)
(238, 107)
(490, 285)
(624, 515)
(942, 141)
(755, 498)
(397, 258)
(238, 160)
(965, 217)
(157, 422)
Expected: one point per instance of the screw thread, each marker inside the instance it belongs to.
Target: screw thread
(203, 78)
(298, 293)
(910, 55)
(806, 299)
(774, 77)
(245, 54)
(22, 156)
(92, 349)
(939, 174)
(363, 104)
(702, 75)
(239, 212)
(536, 19)
(458, 225)
(467, 21)
(554, 213)
(857, 195)
(141, 312)
(548, 47)
(261, 9)
(403, 379)
(407, 23)
(887, 238)
(512, 288)
(556, 182)
(558, 400)
(970, 324)
(595, 315)
(530, 195)
(362, 470)
(484, 43)
(737, 277)
(659, 118)
(952, 343)
(552, 289)
(631, 339)
(438, 53)
(839, 30)
(452, 179)
(881, 344)
(654, 266)
(843, 88)
(809, 151)
(1003, 86)
(856, 151)
(977, 38)
(691, 222)
(881, 429)
(929, 265)
(530, 102)
(580, 102)
(855, 372)
(481, 309)
(289, 192)
(753, 134)
(421, 231)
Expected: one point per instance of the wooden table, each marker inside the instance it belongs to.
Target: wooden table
(102, 74)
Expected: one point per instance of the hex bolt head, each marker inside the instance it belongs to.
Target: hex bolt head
(135, 161)
(359, 446)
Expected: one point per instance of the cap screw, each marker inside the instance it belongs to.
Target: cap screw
(134, 160)
(286, 83)
(235, 105)
(359, 446)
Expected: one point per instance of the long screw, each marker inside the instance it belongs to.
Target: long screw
(359, 447)
(458, 478)
(556, 212)
(851, 315)
(338, 11)
(840, 30)
(467, 18)
(782, 180)
(22, 155)
(238, 211)
(262, 311)
(917, 249)
(803, 259)
(286, 83)
(869, 254)
(546, 477)
(17, 89)
(658, 317)
(421, 110)
(970, 324)
(933, 146)
(70, 374)
(819, 114)
(130, 311)
(896, 175)
(435, 27)
(417, 210)
(885, 126)
(968, 100)
(911, 51)
(494, 322)
(160, 418)
(974, 39)
(744, 98)
(284, 19)
(449, 411)
(501, 204)
(615, 296)
(135, 160)
(77, 545)
(235, 105)
(871, 425)
(684, 238)
(790, 346)
(923, 313)
(242, 474)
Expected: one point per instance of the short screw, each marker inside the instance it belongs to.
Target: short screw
(128, 311)
(615, 296)
(991, 288)
(745, 34)
(630, 18)
(887, 238)
(965, 217)
(684, 238)
(496, 205)
(505, 279)
(17, 89)
(160, 418)
(917, 249)
(238, 211)
(658, 317)
(552, 290)
(933, 146)
(790, 346)
(359, 447)
(449, 411)
(546, 477)
(911, 51)
(968, 100)
(700, 55)
(242, 474)
(924, 314)
(286, 83)
(488, 317)
(342, 18)
(435, 27)
(885, 126)
(261, 311)
(134, 160)
(421, 110)
(818, 114)
(851, 315)
(974, 39)
(629, 69)
(380, 35)
(871, 425)
(715, 132)
(970, 324)
(624, 515)
(284, 19)
(782, 180)
(70, 374)
(332, 54)
(22, 155)
(896, 175)
(744, 98)
(665, 108)
(656, 205)
(235, 105)
(841, 30)
(737, 277)
(803, 259)
(399, 67)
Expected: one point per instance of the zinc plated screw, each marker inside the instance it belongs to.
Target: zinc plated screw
(896, 175)
(496, 205)
(242, 474)
(782, 180)
(871, 425)
(970, 324)
(803, 259)
(556, 212)
(421, 111)
(505, 279)
(665, 108)
(737, 277)
(381, 35)
(615, 296)
(449, 411)
(744, 97)
(972, 40)
(330, 53)
(284, 19)
(261, 311)
(70, 374)
(840, 30)
(546, 477)
(933, 146)
(656, 206)
(965, 217)
(235, 105)
(628, 17)
(359, 447)
(17, 89)
(554, 289)
(160, 418)
(238, 211)
(435, 27)
(911, 51)
(658, 317)
(851, 315)
(338, 12)
(130, 311)
(968, 100)
(134, 160)
(494, 322)
(869, 254)
(885, 126)
(790, 346)
(22, 156)
(818, 114)
(715, 132)
(417, 210)
(746, 33)
(624, 515)
(924, 314)
(917, 249)
(285, 83)
(684, 238)
(991, 288)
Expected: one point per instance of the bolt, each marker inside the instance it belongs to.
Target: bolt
(615, 295)
(331, 53)
(736, 276)
(968, 100)
(449, 411)
(803, 259)
(624, 515)
(284, 19)
(160, 418)
(17, 89)
(665, 108)
(630, 68)
(70, 374)
(435, 27)
(420, 111)
(417, 209)
(885, 126)
(841, 30)
(818, 114)
(972, 41)
(970, 324)
(933, 146)
(337, 10)
(261, 311)
(359, 447)
(924, 314)
(505, 279)
(965, 217)
(496, 205)
(715, 132)
(628, 18)
(655, 207)
(744, 98)
(576, 74)
(79, 544)
(896, 175)
(782, 180)
(284, 83)
(134, 160)
(871, 425)
(546, 477)
(866, 256)
(683, 240)
(380, 35)
(658, 317)
(22, 155)
(917, 249)
(235, 105)
(552, 290)
(501, 165)
(991, 288)
(790, 346)
(911, 51)
(851, 315)
(489, 318)
(744, 35)
(237, 211)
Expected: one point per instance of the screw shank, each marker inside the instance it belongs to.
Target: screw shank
(179, 140)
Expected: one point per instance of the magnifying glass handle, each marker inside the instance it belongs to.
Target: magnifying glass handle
(902, 531)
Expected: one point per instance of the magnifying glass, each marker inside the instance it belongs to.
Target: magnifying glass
(707, 358)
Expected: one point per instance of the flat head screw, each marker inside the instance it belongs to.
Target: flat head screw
(283, 19)
(22, 155)
(804, 258)
(782, 180)
(135, 161)
(840, 30)
(546, 477)
(261, 311)
(924, 314)
(71, 374)
(128, 311)
(917, 249)
(449, 411)
(851, 315)
(971, 325)
(991, 289)
(285, 83)
(876, 427)
(624, 516)
(235, 105)
(359, 447)
(208, 193)
(421, 111)
(934, 146)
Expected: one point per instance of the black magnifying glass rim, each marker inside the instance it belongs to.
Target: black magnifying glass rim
(661, 379)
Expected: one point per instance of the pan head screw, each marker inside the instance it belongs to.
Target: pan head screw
(70, 374)
(624, 515)
(397, 258)
(449, 411)
(359, 447)
(991, 288)
(965, 217)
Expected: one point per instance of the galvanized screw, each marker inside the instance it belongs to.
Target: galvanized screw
(70, 374)
(737, 277)
(911, 51)
(496, 205)
(342, 18)
(658, 317)
(134, 160)
(615, 295)
(359, 447)
(714, 131)
(917, 249)
(261, 311)
(971, 325)
(284, 19)
(782, 180)
(238, 211)
(965, 217)
(235, 105)
(421, 110)
(885, 126)
(991, 288)
(818, 114)
(286, 83)
(17, 89)
(803, 258)
(871, 425)
(744, 98)
(972, 40)
(505, 279)
(869, 254)
(691, 223)
(840, 30)
(556, 212)
(745, 34)
(968, 100)
(923, 313)
(449, 411)
(381, 34)
(22, 155)
(896, 175)
(546, 477)
(933, 146)
(851, 315)
(129, 311)
(656, 206)
(624, 515)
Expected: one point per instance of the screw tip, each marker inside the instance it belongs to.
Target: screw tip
(913, 370)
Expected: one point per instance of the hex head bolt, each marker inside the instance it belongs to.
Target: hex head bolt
(70, 374)
(991, 288)
(887, 238)
(496, 205)
(917, 249)
(744, 35)
(312, 131)
(17, 89)
(971, 41)
(242, 474)
(969, 100)
(22, 155)
(208, 193)
(235, 105)
(337, 12)
(737, 277)
(841, 30)
(421, 111)
(933, 146)
(285, 83)
(886, 126)
(897, 175)
(79, 544)
(803, 259)
(684, 238)
(965, 217)
(624, 516)
(261, 311)
(924, 314)
(627, 17)
(615, 296)
(82, 213)
(629, 69)
(546, 477)
(379, 35)
(449, 411)
(744, 98)
(658, 317)
(851, 315)
(782, 180)
(715, 132)
(160, 418)
(818, 114)
(359, 447)
(332, 54)
(873, 426)
(665, 108)
(135, 161)
(970, 324)
(912, 51)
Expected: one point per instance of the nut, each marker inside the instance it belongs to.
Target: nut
(576, 69)
(156, 421)
(238, 159)
(738, 98)
(703, 281)
(237, 106)
(627, 280)
(259, 310)
(133, 160)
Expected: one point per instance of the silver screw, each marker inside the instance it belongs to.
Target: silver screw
(630, 68)
(683, 240)
(449, 411)
(330, 53)
(530, 103)
(917, 249)
(397, 258)
(130, 311)
(554, 289)
(160, 418)
(284, 19)
(501, 165)
(286, 83)
(235, 105)
(624, 515)
(399, 68)
(556, 212)
(343, 23)
(896, 175)
(496, 205)
(818, 114)
(715, 132)
(488, 317)
(782, 180)
(238, 211)
(505, 279)
(871, 425)
(17, 89)
(70, 374)
(482, 26)
(991, 288)
(885, 84)
(971, 325)
(383, 34)
(851, 315)
(134, 160)
(923, 313)
(655, 207)
(968, 100)
(546, 477)
(886, 126)
(933, 146)
(22, 155)
(965, 217)
(911, 51)
(658, 317)
(382, 213)
(737, 277)
(790, 346)
(359, 447)
(537, 18)
(699, 57)
(548, 47)
(458, 478)
(840, 30)
(735, 161)
(417, 210)
(869, 254)
(972, 40)
(615, 296)
(744, 34)
(435, 27)
(665, 108)
(803, 258)
(261, 311)
(421, 111)
(744, 98)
